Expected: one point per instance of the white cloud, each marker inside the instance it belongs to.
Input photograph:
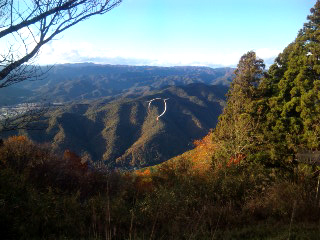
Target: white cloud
(66, 52)
(266, 53)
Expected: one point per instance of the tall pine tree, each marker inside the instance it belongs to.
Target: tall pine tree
(292, 92)
(235, 134)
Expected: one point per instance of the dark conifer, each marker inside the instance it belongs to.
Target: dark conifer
(235, 132)
(292, 91)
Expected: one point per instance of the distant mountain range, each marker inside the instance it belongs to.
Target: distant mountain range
(69, 82)
(124, 133)
(104, 113)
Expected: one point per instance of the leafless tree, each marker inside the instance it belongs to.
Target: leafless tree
(27, 25)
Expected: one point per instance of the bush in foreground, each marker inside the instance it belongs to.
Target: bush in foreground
(45, 196)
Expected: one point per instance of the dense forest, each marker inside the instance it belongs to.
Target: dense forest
(255, 176)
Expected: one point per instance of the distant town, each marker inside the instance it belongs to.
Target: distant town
(21, 108)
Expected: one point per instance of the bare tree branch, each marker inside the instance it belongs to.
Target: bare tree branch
(32, 24)
(25, 26)
(22, 116)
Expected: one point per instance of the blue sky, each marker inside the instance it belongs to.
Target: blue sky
(182, 32)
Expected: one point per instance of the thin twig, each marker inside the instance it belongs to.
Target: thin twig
(292, 217)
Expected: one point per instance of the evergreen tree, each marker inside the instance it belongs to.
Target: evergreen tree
(235, 134)
(292, 93)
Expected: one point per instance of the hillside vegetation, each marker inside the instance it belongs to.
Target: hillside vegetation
(125, 133)
(244, 180)
(49, 196)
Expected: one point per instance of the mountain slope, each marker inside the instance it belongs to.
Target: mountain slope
(124, 133)
(68, 82)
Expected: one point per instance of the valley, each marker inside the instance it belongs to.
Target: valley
(100, 112)
(124, 134)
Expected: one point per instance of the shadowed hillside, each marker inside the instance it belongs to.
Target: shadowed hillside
(124, 133)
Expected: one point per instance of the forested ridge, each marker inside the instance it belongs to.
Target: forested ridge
(125, 133)
(72, 82)
(244, 180)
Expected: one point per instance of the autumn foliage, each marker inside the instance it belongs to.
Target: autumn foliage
(17, 139)
(236, 159)
(63, 197)
(74, 160)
